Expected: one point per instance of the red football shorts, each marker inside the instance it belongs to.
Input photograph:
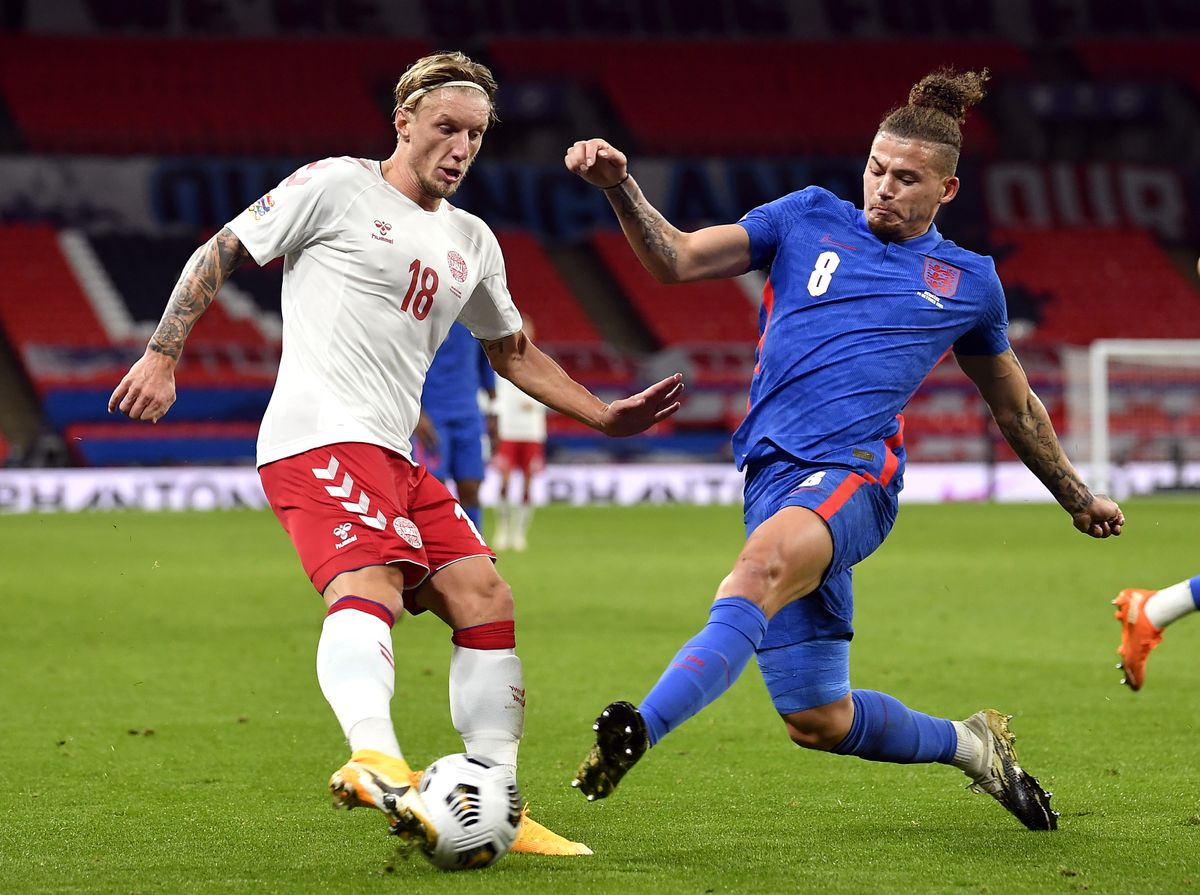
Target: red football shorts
(348, 506)
(527, 457)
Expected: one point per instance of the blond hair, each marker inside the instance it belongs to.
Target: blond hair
(937, 105)
(429, 72)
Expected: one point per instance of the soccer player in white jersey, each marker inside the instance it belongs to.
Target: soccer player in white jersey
(377, 266)
(521, 433)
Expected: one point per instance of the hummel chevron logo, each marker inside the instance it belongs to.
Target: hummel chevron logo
(344, 490)
(378, 521)
(327, 474)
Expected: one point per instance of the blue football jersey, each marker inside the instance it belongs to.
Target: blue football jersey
(459, 370)
(849, 327)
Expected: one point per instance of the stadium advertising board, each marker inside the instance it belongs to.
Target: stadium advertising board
(200, 488)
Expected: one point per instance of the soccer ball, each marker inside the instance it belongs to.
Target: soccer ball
(476, 809)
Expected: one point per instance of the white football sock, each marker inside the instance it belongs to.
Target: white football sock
(969, 751)
(1170, 604)
(503, 524)
(524, 517)
(354, 669)
(487, 702)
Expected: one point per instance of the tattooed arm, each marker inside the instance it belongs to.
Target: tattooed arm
(670, 254)
(148, 389)
(1026, 426)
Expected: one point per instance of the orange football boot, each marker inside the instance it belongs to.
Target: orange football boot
(373, 779)
(1138, 636)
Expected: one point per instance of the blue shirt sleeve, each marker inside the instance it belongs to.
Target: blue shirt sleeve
(769, 224)
(989, 336)
(487, 376)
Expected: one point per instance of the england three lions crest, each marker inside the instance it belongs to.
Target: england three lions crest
(941, 277)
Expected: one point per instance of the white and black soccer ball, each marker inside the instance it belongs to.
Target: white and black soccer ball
(475, 807)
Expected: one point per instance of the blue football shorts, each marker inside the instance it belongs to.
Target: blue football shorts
(460, 452)
(805, 655)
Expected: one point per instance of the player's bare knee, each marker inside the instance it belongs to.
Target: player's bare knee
(752, 578)
(820, 728)
(492, 601)
(380, 584)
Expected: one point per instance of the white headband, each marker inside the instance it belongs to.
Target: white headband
(417, 94)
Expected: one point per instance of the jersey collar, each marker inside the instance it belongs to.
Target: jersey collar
(922, 244)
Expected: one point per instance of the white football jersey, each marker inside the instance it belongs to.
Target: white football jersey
(371, 284)
(518, 416)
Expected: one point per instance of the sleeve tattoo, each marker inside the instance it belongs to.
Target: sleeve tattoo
(201, 280)
(644, 219)
(1031, 435)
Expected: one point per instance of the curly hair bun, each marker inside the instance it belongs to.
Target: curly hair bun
(949, 92)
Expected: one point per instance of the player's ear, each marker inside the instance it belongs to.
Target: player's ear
(949, 189)
(402, 123)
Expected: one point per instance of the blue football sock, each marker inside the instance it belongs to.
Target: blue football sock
(1194, 584)
(885, 729)
(475, 514)
(706, 667)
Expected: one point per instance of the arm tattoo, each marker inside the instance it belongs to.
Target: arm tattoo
(201, 280)
(1031, 435)
(643, 221)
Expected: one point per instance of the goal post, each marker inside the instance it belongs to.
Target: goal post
(1142, 404)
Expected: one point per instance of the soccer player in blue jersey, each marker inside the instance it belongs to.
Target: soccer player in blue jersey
(451, 428)
(859, 305)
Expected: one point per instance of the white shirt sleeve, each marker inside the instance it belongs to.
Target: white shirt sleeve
(490, 313)
(293, 214)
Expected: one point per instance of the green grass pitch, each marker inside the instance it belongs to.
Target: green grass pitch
(163, 730)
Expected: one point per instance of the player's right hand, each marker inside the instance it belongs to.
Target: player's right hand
(597, 162)
(1101, 518)
(148, 389)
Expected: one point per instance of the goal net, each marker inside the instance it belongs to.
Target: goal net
(1133, 414)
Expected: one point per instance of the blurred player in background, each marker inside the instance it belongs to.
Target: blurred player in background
(450, 432)
(377, 267)
(521, 430)
(859, 306)
(1143, 614)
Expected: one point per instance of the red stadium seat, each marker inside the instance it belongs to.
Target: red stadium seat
(539, 290)
(1158, 59)
(1101, 284)
(714, 311)
(120, 95)
(761, 98)
(41, 302)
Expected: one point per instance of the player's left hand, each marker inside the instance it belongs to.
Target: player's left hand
(639, 412)
(1100, 518)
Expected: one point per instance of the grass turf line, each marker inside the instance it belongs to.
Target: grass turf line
(164, 731)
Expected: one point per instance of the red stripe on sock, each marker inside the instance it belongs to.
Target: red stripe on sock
(370, 607)
(491, 635)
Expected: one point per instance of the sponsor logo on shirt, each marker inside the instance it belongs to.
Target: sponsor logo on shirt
(828, 240)
(458, 266)
(407, 531)
(382, 229)
(343, 532)
(941, 277)
(260, 208)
